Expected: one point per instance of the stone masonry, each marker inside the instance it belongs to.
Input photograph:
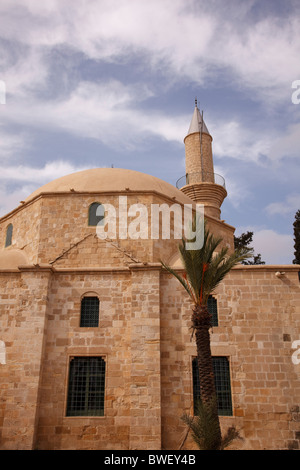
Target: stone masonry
(143, 337)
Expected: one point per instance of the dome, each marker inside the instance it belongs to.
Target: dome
(100, 180)
(12, 259)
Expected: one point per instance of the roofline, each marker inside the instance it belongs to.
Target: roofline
(96, 193)
(108, 193)
(259, 267)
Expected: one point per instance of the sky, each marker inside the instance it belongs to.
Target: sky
(96, 83)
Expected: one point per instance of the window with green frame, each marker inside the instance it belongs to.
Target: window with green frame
(89, 312)
(86, 387)
(222, 383)
(8, 238)
(96, 214)
(212, 306)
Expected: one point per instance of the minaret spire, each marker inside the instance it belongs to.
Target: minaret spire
(202, 185)
(198, 149)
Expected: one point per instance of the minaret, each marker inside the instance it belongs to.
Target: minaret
(201, 183)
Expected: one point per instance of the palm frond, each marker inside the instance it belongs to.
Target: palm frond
(220, 266)
(207, 266)
(204, 426)
(204, 429)
(232, 434)
(182, 281)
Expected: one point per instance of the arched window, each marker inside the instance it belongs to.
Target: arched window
(213, 310)
(9, 232)
(96, 214)
(89, 313)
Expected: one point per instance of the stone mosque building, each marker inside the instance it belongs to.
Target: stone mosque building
(95, 339)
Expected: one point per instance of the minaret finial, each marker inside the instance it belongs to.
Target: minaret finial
(196, 102)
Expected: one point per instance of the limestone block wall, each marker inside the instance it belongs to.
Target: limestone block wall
(144, 337)
(23, 314)
(54, 229)
(127, 338)
(145, 389)
(67, 240)
(26, 229)
(259, 319)
(66, 339)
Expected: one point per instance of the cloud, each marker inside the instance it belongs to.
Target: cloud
(176, 37)
(18, 182)
(264, 56)
(11, 143)
(110, 112)
(49, 172)
(289, 206)
(232, 139)
(288, 144)
(47, 42)
(274, 247)
(10, 199)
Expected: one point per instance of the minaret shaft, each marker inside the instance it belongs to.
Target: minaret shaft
(198, 157)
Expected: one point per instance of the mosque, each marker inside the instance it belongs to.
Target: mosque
(95, 339)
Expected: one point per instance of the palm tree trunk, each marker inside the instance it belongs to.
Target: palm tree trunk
(201, 320)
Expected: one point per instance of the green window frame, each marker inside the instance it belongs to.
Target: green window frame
(86, 387)
(93, 218)
(89, 312)
(222, 383)
(9, 233)
(212, 306)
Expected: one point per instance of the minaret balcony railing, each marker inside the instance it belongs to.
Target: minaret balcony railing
(200, 177)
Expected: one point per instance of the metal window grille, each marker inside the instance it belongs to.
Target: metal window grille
(95, 219)
(86, 386)
(9, 232)
(213, 310)
(222, 383)
(89, 314)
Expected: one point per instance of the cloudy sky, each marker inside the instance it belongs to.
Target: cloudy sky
(95, 83)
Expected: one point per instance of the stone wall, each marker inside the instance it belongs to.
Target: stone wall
(145, 338)
(23, 315)
(259, 319)
(26, 229)
(127, 338)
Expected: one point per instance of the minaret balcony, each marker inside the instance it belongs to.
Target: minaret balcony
(200, 177)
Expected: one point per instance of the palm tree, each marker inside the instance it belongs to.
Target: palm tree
(204, 430)
(204, 269)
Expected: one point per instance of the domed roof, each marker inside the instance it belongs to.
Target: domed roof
(99, 180)
(12, 258)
